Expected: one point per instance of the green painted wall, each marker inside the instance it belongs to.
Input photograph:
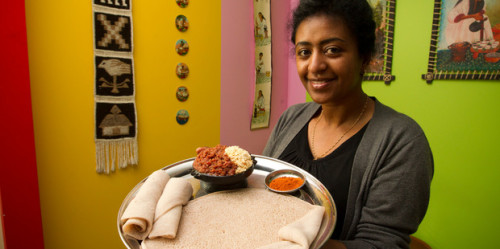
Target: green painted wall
(461, 120)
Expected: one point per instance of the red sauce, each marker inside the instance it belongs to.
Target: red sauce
(213, 161)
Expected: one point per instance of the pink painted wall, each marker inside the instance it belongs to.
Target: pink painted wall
(296, 92)
(238, 72)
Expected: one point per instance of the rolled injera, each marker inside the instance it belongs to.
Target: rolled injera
(168, 212)
(301, 233)
(137, 219)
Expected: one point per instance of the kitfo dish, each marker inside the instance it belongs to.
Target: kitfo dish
(313, 192)
(222, 160)
(222, 167)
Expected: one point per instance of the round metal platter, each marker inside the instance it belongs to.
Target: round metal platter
(313, 192)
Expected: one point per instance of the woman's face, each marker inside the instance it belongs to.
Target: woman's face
(328, 61)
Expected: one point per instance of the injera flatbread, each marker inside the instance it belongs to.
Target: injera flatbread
(301, 233)
(168, 212)
(244, 218)
(137, 219)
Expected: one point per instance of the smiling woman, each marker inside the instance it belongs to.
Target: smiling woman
(372, 159)
(328, 61)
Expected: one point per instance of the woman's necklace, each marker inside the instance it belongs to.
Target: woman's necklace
(335, 144)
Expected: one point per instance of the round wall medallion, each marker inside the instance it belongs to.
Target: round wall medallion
(182, 93)
(182, 70)
(182, 3)
(182, 116)
(182, 47)
(181, 22)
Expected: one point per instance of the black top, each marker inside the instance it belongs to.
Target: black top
(333, 170)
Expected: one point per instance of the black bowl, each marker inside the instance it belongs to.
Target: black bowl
(212, 183)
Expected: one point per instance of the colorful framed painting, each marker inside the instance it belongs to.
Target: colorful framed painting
(380, 67)
(465, 41)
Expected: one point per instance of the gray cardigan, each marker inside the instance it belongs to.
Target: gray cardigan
(390, 179)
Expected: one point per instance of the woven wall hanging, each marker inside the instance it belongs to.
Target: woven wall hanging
(465, 41)
(263, 64)
(114, 86)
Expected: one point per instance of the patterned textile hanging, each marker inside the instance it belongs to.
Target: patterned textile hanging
(114, 86)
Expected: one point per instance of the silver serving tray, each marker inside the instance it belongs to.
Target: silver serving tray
(313, 192)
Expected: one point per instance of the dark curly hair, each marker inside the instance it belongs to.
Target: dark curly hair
(356, 14)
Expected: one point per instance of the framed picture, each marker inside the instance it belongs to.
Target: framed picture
(465, 40)
(263, 65)
(380, 67)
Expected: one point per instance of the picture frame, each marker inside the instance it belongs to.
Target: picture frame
(464, 41)
(262, 31)
(380, 67)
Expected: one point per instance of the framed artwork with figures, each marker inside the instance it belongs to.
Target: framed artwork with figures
(380, 66)
(465, 40)
(261, 111)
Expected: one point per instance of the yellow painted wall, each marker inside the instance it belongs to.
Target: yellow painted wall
(79, 207)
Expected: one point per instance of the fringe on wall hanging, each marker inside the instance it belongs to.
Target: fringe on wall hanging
(114, 86)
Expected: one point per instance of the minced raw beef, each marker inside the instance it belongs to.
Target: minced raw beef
(214, 161)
